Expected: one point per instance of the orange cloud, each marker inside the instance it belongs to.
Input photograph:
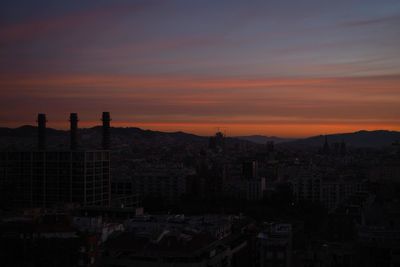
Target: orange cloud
(279, 106)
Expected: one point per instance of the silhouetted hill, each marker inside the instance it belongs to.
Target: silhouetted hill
(25, 137)
(262, 139)
(26, 131)
(378, 138)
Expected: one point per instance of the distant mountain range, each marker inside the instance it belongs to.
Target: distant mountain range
(378, 138)
(25, 137)
(262, 139)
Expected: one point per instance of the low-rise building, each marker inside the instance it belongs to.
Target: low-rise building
(176, 240)
(154, 180)
(274, 245)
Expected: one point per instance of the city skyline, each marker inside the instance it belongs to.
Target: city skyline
(269, 67)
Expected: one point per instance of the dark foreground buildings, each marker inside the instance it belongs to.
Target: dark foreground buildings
(176, 240)
(45, 178)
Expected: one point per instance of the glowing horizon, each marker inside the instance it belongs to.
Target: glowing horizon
(231, 130)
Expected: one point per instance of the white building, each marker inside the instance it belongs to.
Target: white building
(329, 191)
(154, 180)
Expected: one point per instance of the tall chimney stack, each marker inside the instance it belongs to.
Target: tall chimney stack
(106, 130)
(73, 118)
(41, 120)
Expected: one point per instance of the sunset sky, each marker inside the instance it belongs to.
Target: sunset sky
(274, 67)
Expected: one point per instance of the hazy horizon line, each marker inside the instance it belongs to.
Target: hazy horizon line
(202, 135)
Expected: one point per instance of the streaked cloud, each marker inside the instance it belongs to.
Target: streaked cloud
(269, 67)
(388, 19)
(154, 100)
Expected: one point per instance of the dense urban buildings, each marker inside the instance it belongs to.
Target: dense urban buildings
(147, 198)
(177, 240)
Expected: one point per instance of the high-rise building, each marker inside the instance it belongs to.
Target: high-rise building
(328, 190)
(44, 178)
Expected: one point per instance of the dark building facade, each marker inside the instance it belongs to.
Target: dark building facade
(44, 178)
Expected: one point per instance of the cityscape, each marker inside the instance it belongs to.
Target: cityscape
(196, 201)
(200, 133)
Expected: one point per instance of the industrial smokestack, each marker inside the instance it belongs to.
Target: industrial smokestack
(73, 118)
(41, 120)
(106, 130)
